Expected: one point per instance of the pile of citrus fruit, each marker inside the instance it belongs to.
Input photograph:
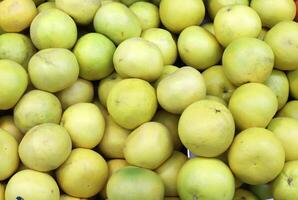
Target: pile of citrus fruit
(148, 100)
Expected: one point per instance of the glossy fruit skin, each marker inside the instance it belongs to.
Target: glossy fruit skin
(9, 159)
(180, 89)
(82, 14)
(272, 12)
(40, 157)
(214, 6)
(256, 156)
(37, 107)
(135, 183)
(85, 124)
(16, 47)
(53, 69)
(285, 185)
(53, 29)
(16, 18)
(197, 136)
(247, 60)
(286, 130)
(153, 140)
(132, 102)
(179, 14)
(279, 84)
(13, 83)
(282, 38)
(147, 14)
(94, 53)
(207, 178)
(83, 174)
(232, 22)
(199, 48)
(41, 186)
(256, 114)
(138, 58)
(122, 23)
(165, 41)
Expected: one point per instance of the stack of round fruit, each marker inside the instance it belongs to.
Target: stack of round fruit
(101, 99)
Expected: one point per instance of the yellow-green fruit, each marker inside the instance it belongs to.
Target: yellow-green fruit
(132, 102)
(286, 130)
(167, 70)
(205, 138)
(169, 170)
(33, 185)
(16, 47)
(262, 34)
(83, 174)
(80, 91)
(66, 197)
(13, 83)
(171, 122)
(285, 185)
(53, 28)
(148, 146)
(253, 105)
(179, 14)
(105, 86)
(279, 84)
(218, 99)
(16, 15)
(213, 6)
(217, 84)
(199, 48)
(232, 22)
(53, 69)
(241, 194)
(7, 124)
(272, 12)
(82, 11)
(85, 124)
(117, 22)
(131, 59)
(40, 146)
(180, 89)
(209, 27)
(94, 53)
(283, 40)
(289, 110)
(2, 191)
(113, 165)
(165, 41)
(36, 107)
(171, 198)
(205, 178)
(113, 141)
(46, 6)
(247, 60)
(256, 156)
(293, 81)
(9, 158)
(135, 183)
(147, 14)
